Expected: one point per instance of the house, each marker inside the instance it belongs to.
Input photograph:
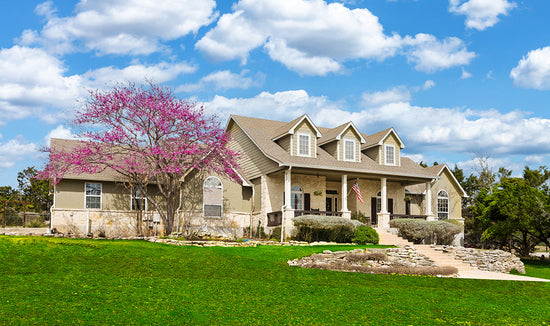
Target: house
(287, 169)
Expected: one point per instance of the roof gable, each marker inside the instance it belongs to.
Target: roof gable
(338, 132)
(290, 128)
(378, 138)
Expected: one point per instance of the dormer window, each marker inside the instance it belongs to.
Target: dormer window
(303, 145)
(349, 150)
(390, 155)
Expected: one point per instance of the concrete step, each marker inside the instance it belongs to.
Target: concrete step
(441, 258)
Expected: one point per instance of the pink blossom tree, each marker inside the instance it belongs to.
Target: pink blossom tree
(148, 137)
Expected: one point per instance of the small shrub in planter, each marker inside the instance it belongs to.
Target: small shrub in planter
(311, 228)
(365, 234)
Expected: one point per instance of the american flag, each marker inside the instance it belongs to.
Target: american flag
(357, 191)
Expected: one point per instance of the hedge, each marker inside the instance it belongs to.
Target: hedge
(312, 228)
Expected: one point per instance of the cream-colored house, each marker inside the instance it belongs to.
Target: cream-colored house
(287, 169)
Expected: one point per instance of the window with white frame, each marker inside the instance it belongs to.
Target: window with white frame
(349, 150)
(390, 155)
(212, 197)
(93, 195)
(303, 144)
(378, 202)
(442, 205)
(297, 198)
(139, 202)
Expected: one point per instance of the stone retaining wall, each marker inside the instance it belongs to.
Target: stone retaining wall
(486, 260)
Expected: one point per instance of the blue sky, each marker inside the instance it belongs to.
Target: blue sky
(455, 78)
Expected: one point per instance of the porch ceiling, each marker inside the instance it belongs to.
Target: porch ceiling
(337, 176)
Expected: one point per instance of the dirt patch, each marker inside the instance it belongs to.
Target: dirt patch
(405, 261)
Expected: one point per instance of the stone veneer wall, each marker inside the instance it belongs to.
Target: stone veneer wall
(124, 223)
(486, 260)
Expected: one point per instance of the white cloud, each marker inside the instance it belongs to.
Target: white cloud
(59, 132)
(428, 84)
(317, 38)
(430, 55)
(465, 74)
(396, 94)
(425, 129)
(416, 157)
(480, 14)
(14, 150)
(122, 27)
(533, 70)
(32, 82)
(223, 80)
(310, 37)
(159, 73)
(283, 106)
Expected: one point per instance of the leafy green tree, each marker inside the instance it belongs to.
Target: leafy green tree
(537, 178)
(514, 212)
(33, 190)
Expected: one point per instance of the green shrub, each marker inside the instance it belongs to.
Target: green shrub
(312, 228)
(445, 232)
(365, 234)
(276, 234)
(361, 217)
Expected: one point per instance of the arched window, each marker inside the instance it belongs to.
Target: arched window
(442, 205)
(212, 197)
(297, 198)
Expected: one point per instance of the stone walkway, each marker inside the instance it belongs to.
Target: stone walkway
(464, 269)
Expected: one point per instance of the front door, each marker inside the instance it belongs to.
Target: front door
(331, 204)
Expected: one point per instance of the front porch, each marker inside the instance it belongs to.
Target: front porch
(331, 193)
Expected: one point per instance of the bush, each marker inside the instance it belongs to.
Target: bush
(417, 231)
(311, 228)
(365, 234)
(445, 232)
(361, 217)
(412, 229)
(276, 234)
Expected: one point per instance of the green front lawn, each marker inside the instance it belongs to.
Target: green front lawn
(536, 268)
(67, 281)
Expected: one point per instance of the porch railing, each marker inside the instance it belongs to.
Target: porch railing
(276, 218)
(396, 216)
(316, 212)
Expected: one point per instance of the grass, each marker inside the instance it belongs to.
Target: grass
(536, 268)
(70, 281)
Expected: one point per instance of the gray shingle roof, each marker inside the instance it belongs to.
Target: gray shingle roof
(262, 131)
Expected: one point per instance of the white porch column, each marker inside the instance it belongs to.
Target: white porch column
(345, 212)
(287, 189)
(287, 211)
(429, 212)
(383, 196)
(383, 216)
